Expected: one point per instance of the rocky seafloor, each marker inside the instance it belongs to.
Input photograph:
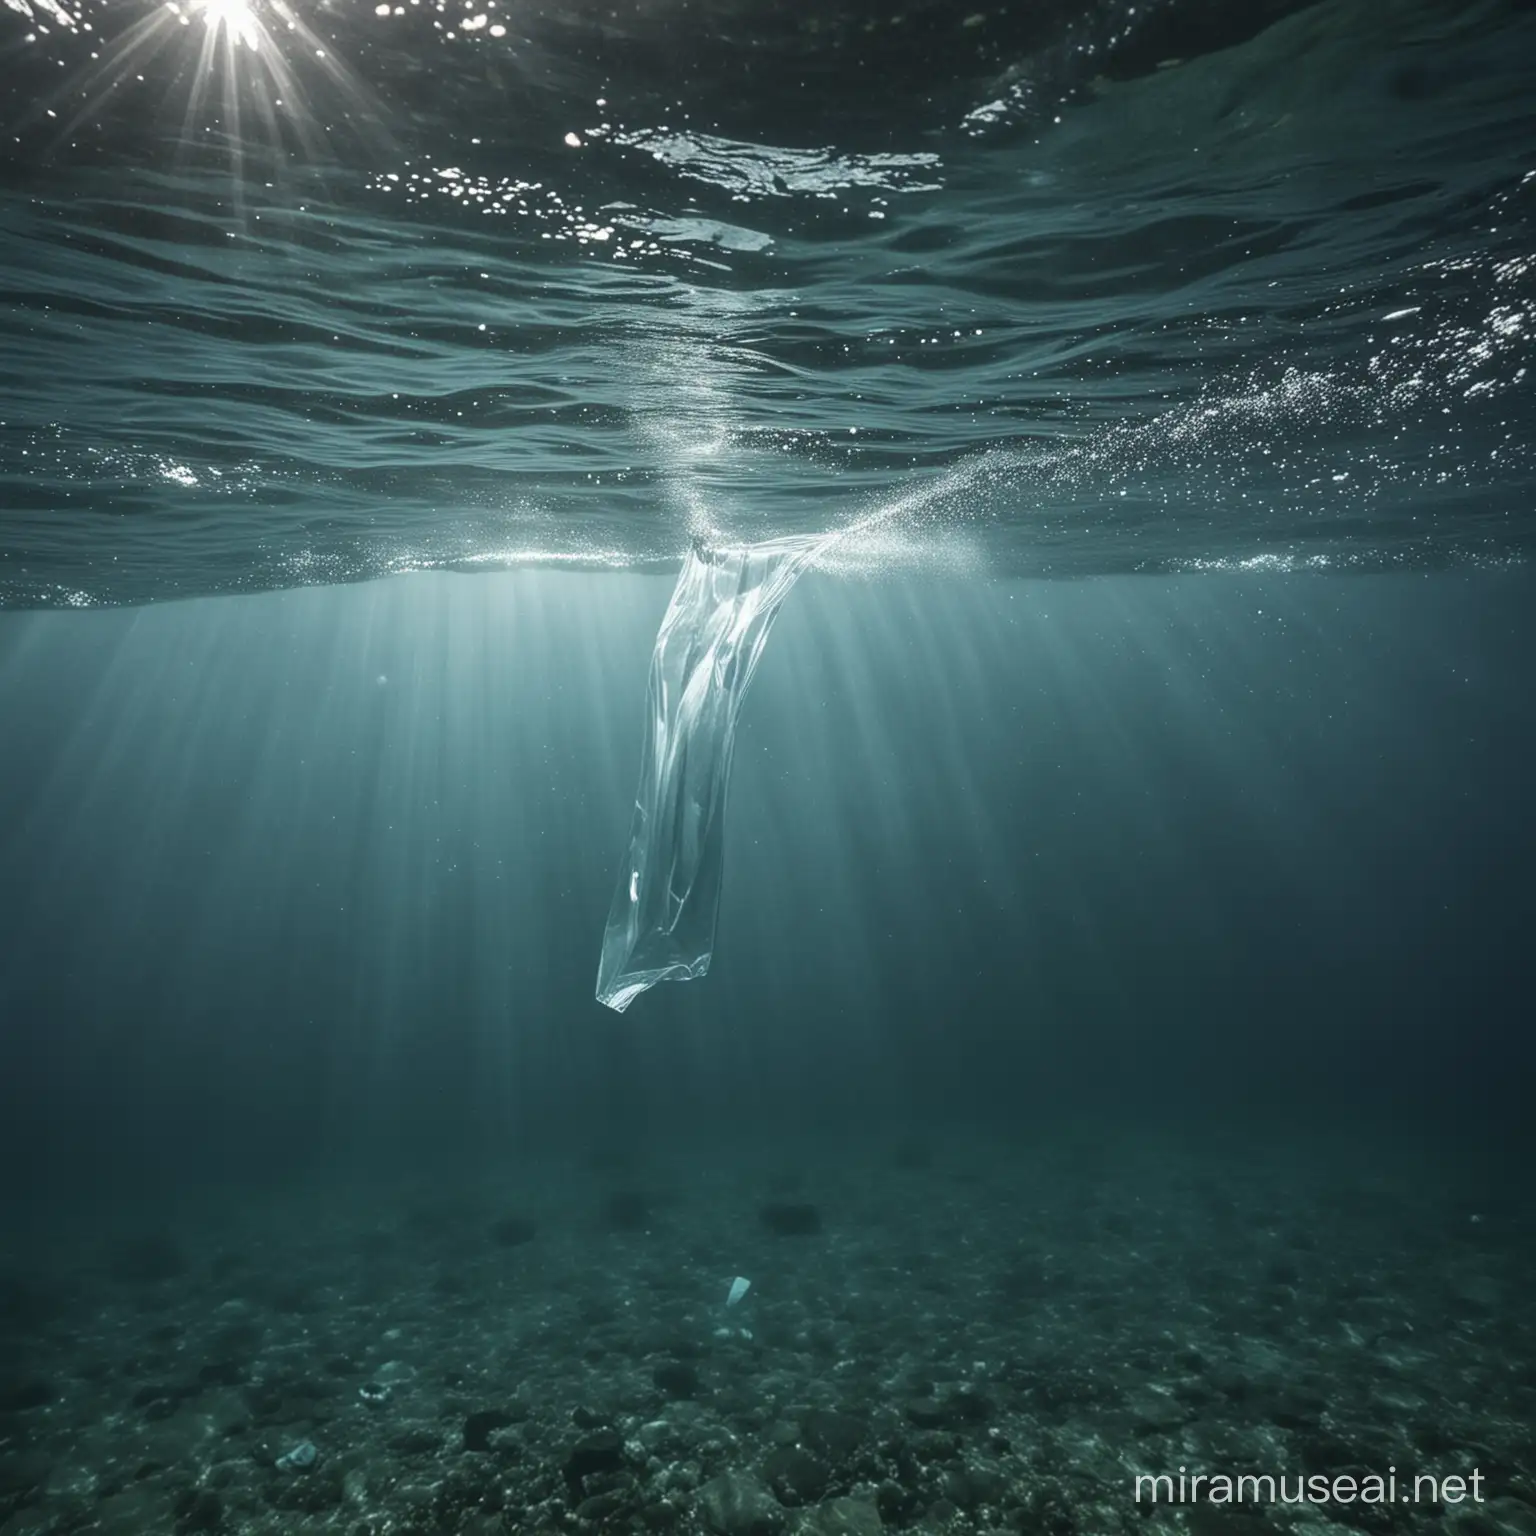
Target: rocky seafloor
(938, 1337)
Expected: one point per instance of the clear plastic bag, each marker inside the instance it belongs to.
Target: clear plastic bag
(661, 925)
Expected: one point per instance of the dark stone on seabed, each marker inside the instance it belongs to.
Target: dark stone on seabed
(959, 1410)
(146, 1258)
(605, 1507)
(514, 1231)
(199, 1509)
(627, 1210)
(601, 1451)
(842, 1517)
(478, 1428)
(736, 1504)
(795, 1476)
(676, 1379)
(26, 1393)
(416, 1441)
(925, 1413)
(833, 1435)
(790, 1218)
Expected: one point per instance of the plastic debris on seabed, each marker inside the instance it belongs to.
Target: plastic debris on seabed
(300, 1459)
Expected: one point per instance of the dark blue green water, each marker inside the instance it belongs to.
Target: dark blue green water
(1115, 1057)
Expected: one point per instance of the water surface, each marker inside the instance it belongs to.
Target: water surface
(1096, 289)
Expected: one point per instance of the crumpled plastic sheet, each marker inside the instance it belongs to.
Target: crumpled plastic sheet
(661, 925)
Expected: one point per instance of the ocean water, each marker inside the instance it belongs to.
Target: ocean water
(1106, 1061)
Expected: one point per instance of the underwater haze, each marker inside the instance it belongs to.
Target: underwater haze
(765, 769)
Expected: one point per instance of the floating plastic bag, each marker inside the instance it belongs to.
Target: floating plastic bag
(661, 926)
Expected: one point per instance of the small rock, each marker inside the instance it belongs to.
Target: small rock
(659, 1437)
(987, 1483)
(736, 1504)
(478, 1428)
(959, 1410)
(842, 1517)
(836, 1436)
(199, 1509)
(513, 1231)
(21, 1472)
(146, 1259)
(968, 1406)
(676, 1379)
(25, 1393)
(484, 1525)
(1156, 1412)
(795, 1476)
(129, 1513)
(417, 1440)
(601, 1451)
(627, 1210)
(895, 1501)
(1507, 1516)
(935, 1445)
(607, 1507)
(227, 1416)
(925, 1413)
(28, 1302)
(221, 1373)
(789, 1218)
(30, 1522)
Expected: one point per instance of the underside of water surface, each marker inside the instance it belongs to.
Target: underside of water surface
(1081, 288)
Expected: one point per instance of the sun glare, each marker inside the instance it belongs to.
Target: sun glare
(247, 76)
(234, 19)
